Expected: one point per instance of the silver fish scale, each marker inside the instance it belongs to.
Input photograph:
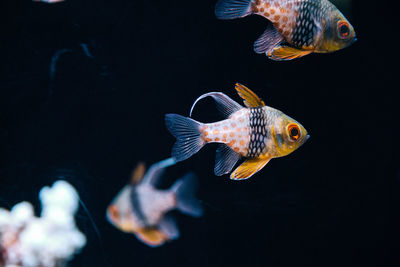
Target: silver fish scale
(311, 12)
(258, 132)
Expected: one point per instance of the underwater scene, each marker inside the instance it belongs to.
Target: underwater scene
(199, 133)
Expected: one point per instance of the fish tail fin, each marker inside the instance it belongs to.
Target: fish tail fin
(187, 132)
(232, 9)
(184, 190)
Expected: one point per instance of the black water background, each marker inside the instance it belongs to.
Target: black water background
(334, 202)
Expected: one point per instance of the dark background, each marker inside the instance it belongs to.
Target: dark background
(333, 202)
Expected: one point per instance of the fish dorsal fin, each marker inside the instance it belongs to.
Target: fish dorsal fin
(225, 104)
(138, 173)
(156, 170)
(249, 168)
(250, 99)
(268, 40)
(285, 52)
(152, 237)
(225, 160)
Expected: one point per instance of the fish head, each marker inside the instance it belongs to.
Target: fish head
(338, 32)
(288, 134)
(119, 212)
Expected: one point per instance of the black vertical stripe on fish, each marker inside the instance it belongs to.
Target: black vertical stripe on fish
(258, 132)
(137, 207)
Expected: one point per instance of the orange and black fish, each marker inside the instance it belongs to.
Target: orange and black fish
(299, 27)
(140, 208)
(255, 132)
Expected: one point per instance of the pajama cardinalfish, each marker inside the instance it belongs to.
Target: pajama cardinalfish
(297, 28)
(140, 208)
(255, 132)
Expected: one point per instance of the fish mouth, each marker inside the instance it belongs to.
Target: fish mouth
(307, 137)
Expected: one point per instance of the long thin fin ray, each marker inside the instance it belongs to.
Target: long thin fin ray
(225, 104)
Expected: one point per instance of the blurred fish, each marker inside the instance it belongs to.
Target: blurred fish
(140, 208)
(299, 27)
(48, 1)
(256, 132)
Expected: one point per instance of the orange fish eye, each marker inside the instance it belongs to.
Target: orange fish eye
(343, 29)
(294, 132)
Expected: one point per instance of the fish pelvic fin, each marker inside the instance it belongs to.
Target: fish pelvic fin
(225, 104)
(184, 190)
(152, 237)
(250, 99)
(187, 132)
(232, 9)
(285, 52)
(225, 160)
(268, 40)
(249, 168)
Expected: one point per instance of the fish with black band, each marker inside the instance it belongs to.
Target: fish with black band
(298, 27)
(255, 132)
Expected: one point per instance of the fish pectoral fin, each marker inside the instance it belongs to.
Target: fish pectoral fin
(268, 40)
(138, 173)
(168, 226)
(151, 236)
(249, 167)
(285, 52)
(250, 99)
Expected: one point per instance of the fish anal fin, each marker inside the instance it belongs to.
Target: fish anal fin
(250, 99)
(152, 237)
(225, 160)
(249, 168)
(284, 52)
(268, 40)
(138, 173)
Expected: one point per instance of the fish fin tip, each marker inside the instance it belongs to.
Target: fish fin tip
(225, 160)
(184, 190)
(232, 9)
(250, 99)
(187, 132)
(249, 168)
(285, 53)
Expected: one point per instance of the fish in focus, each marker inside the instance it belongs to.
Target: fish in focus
(255, 132)
(140, 208)
(297, 28)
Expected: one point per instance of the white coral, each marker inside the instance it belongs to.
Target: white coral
(31, 241)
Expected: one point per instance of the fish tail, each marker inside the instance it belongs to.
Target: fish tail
(184, 190)
(233, 9)
(187, 132)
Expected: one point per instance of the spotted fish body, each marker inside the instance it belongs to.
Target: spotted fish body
(256, 132)
(140, 208)
(299, 27)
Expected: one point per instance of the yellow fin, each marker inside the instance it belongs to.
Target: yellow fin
(249, 167)
(151, 237)
(250, 99)
(138, 173)
(283, 52)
